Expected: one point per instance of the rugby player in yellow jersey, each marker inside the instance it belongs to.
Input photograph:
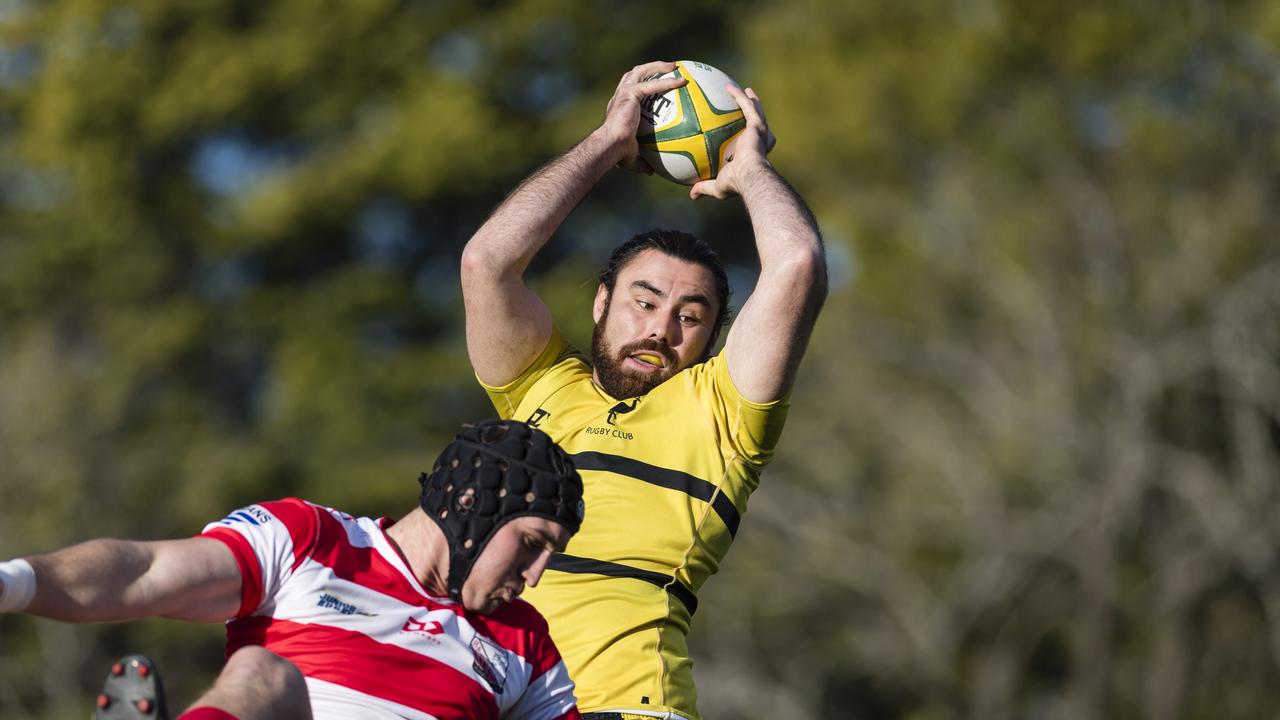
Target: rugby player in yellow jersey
(669, 441)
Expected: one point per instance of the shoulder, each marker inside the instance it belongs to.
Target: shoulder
(712, 376)
(558, 365)
(701, 383)
(751, 429)
(306, 523)
(292, 513)
(557, 355)
(297, 514)
(566, 364)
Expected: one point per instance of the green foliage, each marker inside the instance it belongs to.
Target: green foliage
(1032, 458)
(1034, 448)
(229, 241)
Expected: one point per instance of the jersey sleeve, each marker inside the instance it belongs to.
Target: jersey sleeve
(269, 540)
(549, 695)
(506, 398)
(752, 429)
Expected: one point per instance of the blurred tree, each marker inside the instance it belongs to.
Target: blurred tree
(1032, 464)
(1032, 459)
(229, 240)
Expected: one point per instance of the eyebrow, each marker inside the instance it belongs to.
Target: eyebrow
(697, 298)
(545, 537)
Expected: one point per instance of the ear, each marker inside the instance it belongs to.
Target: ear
(601, 303)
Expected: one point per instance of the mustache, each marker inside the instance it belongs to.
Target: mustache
(653, 346)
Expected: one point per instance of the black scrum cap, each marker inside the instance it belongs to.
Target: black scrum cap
(493, 472)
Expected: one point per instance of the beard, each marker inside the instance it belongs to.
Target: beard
(616, 380)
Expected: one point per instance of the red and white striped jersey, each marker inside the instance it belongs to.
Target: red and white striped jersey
(330, 593)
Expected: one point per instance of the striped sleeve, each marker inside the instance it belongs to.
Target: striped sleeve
(268, 540)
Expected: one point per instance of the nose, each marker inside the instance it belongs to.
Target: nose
(665, 329)
(533, 573)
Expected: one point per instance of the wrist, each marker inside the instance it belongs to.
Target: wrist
(748, 172)
(754, 165)
(17, 585)
(610, 144)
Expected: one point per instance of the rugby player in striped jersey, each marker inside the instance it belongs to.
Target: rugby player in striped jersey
(333, 616)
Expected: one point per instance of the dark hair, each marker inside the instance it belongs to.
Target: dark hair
(680, 245)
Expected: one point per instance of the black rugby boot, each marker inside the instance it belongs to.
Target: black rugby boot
(132, 691)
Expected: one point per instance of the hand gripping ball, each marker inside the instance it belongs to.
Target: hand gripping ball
(686, 134)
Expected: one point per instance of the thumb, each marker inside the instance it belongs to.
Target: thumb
(706, 187)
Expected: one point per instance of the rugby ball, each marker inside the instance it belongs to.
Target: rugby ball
(685, 134)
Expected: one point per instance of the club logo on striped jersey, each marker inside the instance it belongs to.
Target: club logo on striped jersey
(253, 515)
(418, 627)
(490, 662)
(342, 607)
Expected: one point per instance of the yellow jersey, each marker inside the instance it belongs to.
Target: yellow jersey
(666, 479)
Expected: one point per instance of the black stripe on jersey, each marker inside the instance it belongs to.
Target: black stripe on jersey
(691, 485)
(575, 564)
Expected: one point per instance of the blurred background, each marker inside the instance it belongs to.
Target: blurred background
(1032, 468)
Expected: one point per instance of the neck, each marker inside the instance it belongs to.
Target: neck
(424, 548)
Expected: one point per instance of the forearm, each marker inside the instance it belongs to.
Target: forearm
(95, 581)
(526, 220)
(769, 336)
(786, 232)
(110, 580)
(507, 324)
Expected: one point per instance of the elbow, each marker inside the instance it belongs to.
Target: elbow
(808, 271)
(817, 290)
(483, 263)
(475, 260)
(479, 267)
(804, 275)
(817, 267)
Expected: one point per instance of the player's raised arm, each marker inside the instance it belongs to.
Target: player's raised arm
(112, 580)
(507, 324)
(771, 332)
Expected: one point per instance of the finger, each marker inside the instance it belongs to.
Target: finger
(640, 73)
(657, 86)
(755, 100)
(649, 69)
(707, 187)
(748, 106)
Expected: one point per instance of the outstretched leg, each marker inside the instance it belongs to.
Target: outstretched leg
(255, 684)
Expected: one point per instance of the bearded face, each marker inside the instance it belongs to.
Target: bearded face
(657, 321)
(621, 371)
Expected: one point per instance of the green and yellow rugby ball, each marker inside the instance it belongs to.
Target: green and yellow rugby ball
(686, 134)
